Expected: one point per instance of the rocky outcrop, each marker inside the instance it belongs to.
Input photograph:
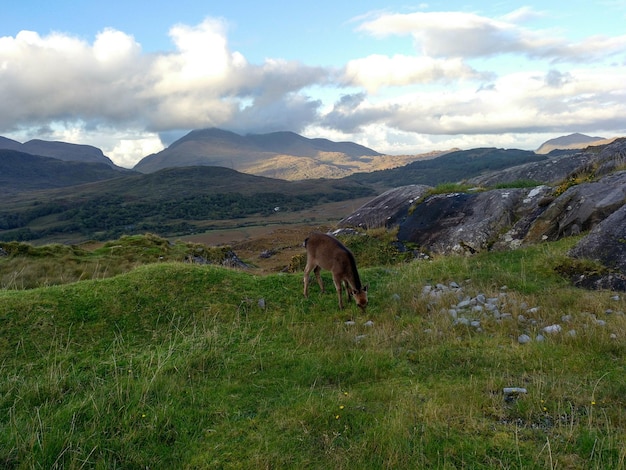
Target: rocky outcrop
(460, 222)
(606, 243)
(598, 161)
(551, 171)
(499, 219)
(579, 209)
(386, 210)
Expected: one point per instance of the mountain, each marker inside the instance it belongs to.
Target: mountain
(284, 155)
(59, 150)
(451, 167)
(22, 172)
(571, 142)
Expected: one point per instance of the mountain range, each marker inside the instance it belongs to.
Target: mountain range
(284, 155)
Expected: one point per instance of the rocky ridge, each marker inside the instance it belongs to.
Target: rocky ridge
(573, 194)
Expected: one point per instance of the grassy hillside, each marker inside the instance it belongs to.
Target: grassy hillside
(174, 365)
(169, 202)
(21, 172)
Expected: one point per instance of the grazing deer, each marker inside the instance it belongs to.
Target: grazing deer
(326, 252)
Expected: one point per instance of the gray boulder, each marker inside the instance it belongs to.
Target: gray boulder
(606, 243)
(386, 210)
(551, 171)
(579, 209)
(461, 222)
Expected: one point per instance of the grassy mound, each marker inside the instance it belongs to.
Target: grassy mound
(177, 365)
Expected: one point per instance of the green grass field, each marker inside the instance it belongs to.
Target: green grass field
(175, 365)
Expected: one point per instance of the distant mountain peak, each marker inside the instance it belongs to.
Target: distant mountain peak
(571, 141)
(219, 147)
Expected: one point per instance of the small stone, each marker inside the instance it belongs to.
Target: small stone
(261, 304)
(566, 318)
(572, 333)
(523, 339)
(475, 324)
(540, 338)
(552, 329)
(513, 390)
(369, 323)
(600, 323)
(350, 323)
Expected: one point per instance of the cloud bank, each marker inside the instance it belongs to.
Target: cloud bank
(468, 75)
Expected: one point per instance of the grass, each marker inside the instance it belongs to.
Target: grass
(175, 365)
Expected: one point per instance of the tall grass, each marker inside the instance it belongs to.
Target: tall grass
(173, 365)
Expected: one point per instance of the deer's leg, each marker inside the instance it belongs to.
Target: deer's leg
(307, 271)
(348, 290)
(319, 277)
(339, 288)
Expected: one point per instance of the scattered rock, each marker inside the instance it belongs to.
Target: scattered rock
(552, 329)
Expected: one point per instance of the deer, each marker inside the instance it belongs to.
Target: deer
(326, 252)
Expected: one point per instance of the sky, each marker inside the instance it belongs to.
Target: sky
(400, 77)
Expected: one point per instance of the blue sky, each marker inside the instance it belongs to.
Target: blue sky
(399, 77)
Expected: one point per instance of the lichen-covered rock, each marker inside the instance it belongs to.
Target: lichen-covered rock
(461, 222)
(606, 243)
(386, 210)
(597, 160)
(579, 209)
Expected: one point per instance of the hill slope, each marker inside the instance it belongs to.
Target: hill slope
(169, 202)
(176, 365)
(22, 172)
(60, 150)
(451, 167)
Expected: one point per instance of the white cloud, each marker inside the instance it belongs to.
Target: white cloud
(468, 35)
(62, 79)
(454, 86)
(377, 71)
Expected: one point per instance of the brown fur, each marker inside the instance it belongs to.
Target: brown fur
(326, 252)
